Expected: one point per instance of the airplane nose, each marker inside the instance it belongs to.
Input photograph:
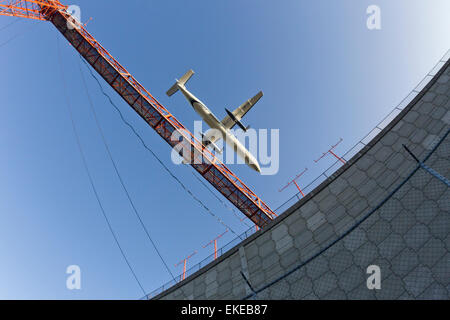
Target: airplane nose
(256, 167)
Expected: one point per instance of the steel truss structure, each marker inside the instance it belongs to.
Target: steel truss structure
(156, 116)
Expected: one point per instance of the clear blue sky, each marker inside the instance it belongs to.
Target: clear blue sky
(324, 75)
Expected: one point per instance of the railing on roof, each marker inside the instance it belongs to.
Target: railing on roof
(322, 177)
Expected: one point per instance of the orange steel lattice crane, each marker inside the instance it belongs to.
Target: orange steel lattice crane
(158, 117)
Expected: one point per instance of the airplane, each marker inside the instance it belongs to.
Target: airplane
(230, 121)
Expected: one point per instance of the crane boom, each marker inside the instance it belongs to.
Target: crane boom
(158, 117)
(32, 9)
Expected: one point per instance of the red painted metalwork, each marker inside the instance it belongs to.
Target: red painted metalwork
(215, 243)
(295, 182)
(184, 262)
(332, 153)
(337, 157)
(158, 117)
(32, 9)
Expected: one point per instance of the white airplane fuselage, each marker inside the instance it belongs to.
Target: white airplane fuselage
(207, 116)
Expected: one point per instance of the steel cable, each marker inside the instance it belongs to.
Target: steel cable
(91, 181)
(105, 143)
(209, 211)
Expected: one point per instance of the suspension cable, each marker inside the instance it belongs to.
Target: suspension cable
(209, 211)
(10, 24)
(220, 200)
(17, 35)
(91, 181)
(105, 143)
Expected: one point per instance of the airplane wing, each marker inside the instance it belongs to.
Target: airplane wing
(241, 111)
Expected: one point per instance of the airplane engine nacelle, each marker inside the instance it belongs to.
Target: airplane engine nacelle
(236, 121)
(208, 143)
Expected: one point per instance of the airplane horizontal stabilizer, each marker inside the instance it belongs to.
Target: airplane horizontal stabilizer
(185, 78)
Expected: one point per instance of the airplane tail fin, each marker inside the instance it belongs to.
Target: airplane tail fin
(185, 78)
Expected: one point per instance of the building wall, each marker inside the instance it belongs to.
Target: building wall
(406, 233)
